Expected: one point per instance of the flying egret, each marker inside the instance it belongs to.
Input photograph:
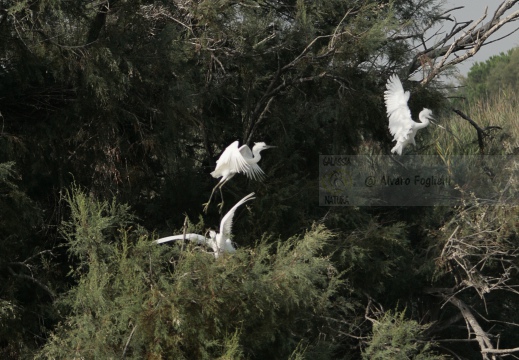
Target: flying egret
(219, 242)
(401, 125)
(237, 160)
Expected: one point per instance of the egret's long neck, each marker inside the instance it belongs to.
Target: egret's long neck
(424, 121)
(256, 157)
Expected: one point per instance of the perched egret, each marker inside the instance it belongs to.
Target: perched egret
(237, 160)
(401, 125)
(219, 242)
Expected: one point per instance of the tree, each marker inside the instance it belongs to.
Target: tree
(472, 35)
(136, 299)
(394, 337)
(26, 269)
(488, 80)
(134, 101)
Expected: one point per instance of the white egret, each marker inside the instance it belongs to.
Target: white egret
(237, 160)
(401, 125)
(219, 242)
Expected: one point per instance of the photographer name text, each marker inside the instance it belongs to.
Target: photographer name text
(417, 180)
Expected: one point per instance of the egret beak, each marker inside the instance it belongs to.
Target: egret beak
(270, 146)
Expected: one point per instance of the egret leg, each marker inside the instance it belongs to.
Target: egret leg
(220, 205)
(206, 205)
(220, 185)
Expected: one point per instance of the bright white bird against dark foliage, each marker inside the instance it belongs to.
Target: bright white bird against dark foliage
(237, 160)
(220, 242)
(401, 125)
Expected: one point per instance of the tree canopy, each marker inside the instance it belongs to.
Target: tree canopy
(113, 114)
(493, 77)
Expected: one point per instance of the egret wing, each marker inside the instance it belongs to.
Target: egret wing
(231, 160)
(400, 121)
(226, 223)
(253, 170)
(191, 237)
(246, 152)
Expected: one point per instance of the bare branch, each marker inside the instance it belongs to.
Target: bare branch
(128, 341)
(468, 37)
(479, 130)
(481, 336)
(277, 84)
(34, 280)
(500, 351)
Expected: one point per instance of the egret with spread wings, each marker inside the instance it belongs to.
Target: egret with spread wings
(219, 242)
(401, 125)
(237, 160)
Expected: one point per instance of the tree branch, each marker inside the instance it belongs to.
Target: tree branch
(275, 87)
(500, 351)
(128, 341)
(481, 132)
(37, 282)
(469, 41)
(99, 21)
(481, 336)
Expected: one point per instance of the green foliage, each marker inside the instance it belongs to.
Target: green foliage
(395, 337)
(18, 213)
(25, 268)
(91, 222)
(457, 136)
(488, 80)
(376, 256)
(473, 243)
(150, 301)
(132, 102)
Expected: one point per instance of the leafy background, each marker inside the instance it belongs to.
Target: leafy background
(113, 115)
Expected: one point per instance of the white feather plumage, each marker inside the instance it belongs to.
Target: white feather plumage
(220, 242)
(401, 125)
